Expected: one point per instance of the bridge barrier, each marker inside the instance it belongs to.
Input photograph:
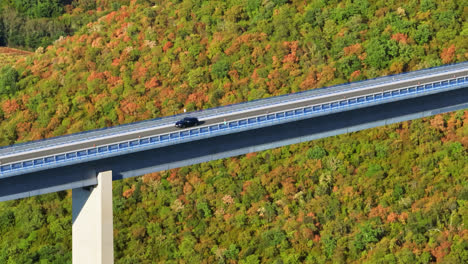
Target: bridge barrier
(118, 148)
(120, 129)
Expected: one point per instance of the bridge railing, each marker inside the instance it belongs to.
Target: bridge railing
(211, 130)
(244, 106)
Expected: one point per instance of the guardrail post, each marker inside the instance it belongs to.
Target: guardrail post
(92, 230)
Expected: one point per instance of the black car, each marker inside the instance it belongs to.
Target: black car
(187, 122)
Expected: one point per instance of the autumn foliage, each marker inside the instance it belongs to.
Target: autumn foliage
(394, 194)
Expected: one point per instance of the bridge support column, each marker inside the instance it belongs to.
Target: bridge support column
(92, 231)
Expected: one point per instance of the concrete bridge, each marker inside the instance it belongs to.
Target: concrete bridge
(88, 162)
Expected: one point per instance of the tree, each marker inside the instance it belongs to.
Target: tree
(448, 54)
(7, 220)
(314, 17)
(37, 9)
(8, 79)
(376, 54)
(197, 76)
(428, 5)
(2, 30)
(283, 24)
(422, 34)
(348, 65)
(316, 153)
(367, 234)
(252, 8)
(251, 259)
(220, 69)
(329, 245)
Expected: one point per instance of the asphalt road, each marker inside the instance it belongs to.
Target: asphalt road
(6, 158)
(207, 113)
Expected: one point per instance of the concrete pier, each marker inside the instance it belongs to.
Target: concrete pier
(92, 231)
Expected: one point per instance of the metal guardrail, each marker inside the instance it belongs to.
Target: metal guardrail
(115, 149)
(251, 104)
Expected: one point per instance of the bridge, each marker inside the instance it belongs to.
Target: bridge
(87, 162)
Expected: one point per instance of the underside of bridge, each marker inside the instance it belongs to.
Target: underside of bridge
(193, 152)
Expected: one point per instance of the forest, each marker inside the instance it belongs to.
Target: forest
(393, 194)
(31, 24)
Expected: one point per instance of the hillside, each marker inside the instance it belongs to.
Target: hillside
(32, 24)
(396, 194)
(9, 56)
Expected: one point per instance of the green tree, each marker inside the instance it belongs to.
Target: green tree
(428, 5)
(251, 259)
(232, 252)
(37, 9)
(8, 78)
(329, 245)
(283, 24)
(7, 220)
(316, 152)
(367, 234)
(220, 69)
(2, 30)
(422, 34)
(377, 54)
(348, 65)
(373, 170)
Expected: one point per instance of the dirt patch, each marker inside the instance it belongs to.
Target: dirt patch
(11, 51)
(9, 56)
